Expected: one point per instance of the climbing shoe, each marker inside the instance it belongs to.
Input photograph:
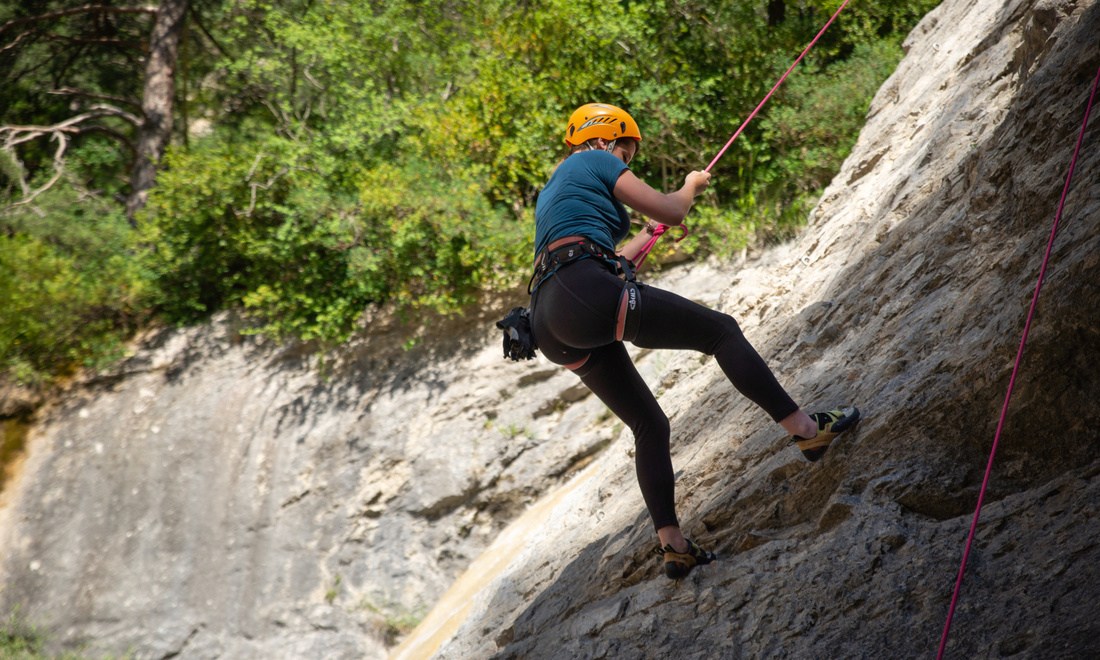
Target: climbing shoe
(829, 426)
(679, 564)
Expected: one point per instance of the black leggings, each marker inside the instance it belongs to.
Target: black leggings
(580, 317)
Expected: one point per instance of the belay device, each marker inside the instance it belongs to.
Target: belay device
(519, 342)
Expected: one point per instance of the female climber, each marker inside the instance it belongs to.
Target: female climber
(585, 304)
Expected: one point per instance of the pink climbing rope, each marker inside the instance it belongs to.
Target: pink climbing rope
(1015, 370)
(661, 228)
(657, 231)
(777, 84)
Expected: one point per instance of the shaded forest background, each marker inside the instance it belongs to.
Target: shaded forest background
(303, 161)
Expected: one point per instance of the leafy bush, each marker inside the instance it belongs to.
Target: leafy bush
(305, 242)
(813, 131)
(15, 645)
(70, 289)
(724, 231)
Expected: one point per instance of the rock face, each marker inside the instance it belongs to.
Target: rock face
(223, 498)
(907, 295)
(218, 498)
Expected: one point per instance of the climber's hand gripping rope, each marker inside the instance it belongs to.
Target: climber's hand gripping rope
(660, 229)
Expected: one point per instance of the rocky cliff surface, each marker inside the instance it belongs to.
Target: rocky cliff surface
(221, 498)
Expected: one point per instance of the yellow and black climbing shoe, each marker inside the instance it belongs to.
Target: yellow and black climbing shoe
(829, 426)
(679, 564)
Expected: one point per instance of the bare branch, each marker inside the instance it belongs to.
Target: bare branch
(255, 163)
(72, 91)
(280, 116)
(58, 172)
(16, 171)
(260, 186)
(15, 42)
(197, 19)
(11, 136)
(265, 186)
(16, 134)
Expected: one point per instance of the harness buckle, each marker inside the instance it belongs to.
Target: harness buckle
(550, 260)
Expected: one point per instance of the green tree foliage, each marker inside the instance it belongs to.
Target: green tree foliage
(275, 228)
(335, 155)
(69, 288)
(58, 60)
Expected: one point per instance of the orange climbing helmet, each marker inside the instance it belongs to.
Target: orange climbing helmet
(600, 120)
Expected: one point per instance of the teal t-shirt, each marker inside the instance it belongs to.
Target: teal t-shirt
(578, 200)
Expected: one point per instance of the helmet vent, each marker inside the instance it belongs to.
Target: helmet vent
(600, 120)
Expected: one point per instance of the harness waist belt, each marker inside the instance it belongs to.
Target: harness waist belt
(567, 250)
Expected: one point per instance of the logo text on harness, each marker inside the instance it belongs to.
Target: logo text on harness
(633, 299)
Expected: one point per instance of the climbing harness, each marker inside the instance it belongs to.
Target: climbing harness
(565, 251)
(519, 341)
(1015, 370)
(640, 257)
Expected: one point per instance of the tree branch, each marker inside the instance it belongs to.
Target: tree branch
(72, 91)
(72, 11)
(58, 170)
(197, 18)
(14, 135)
(260, 186)
(15, 42)
(18, 134)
